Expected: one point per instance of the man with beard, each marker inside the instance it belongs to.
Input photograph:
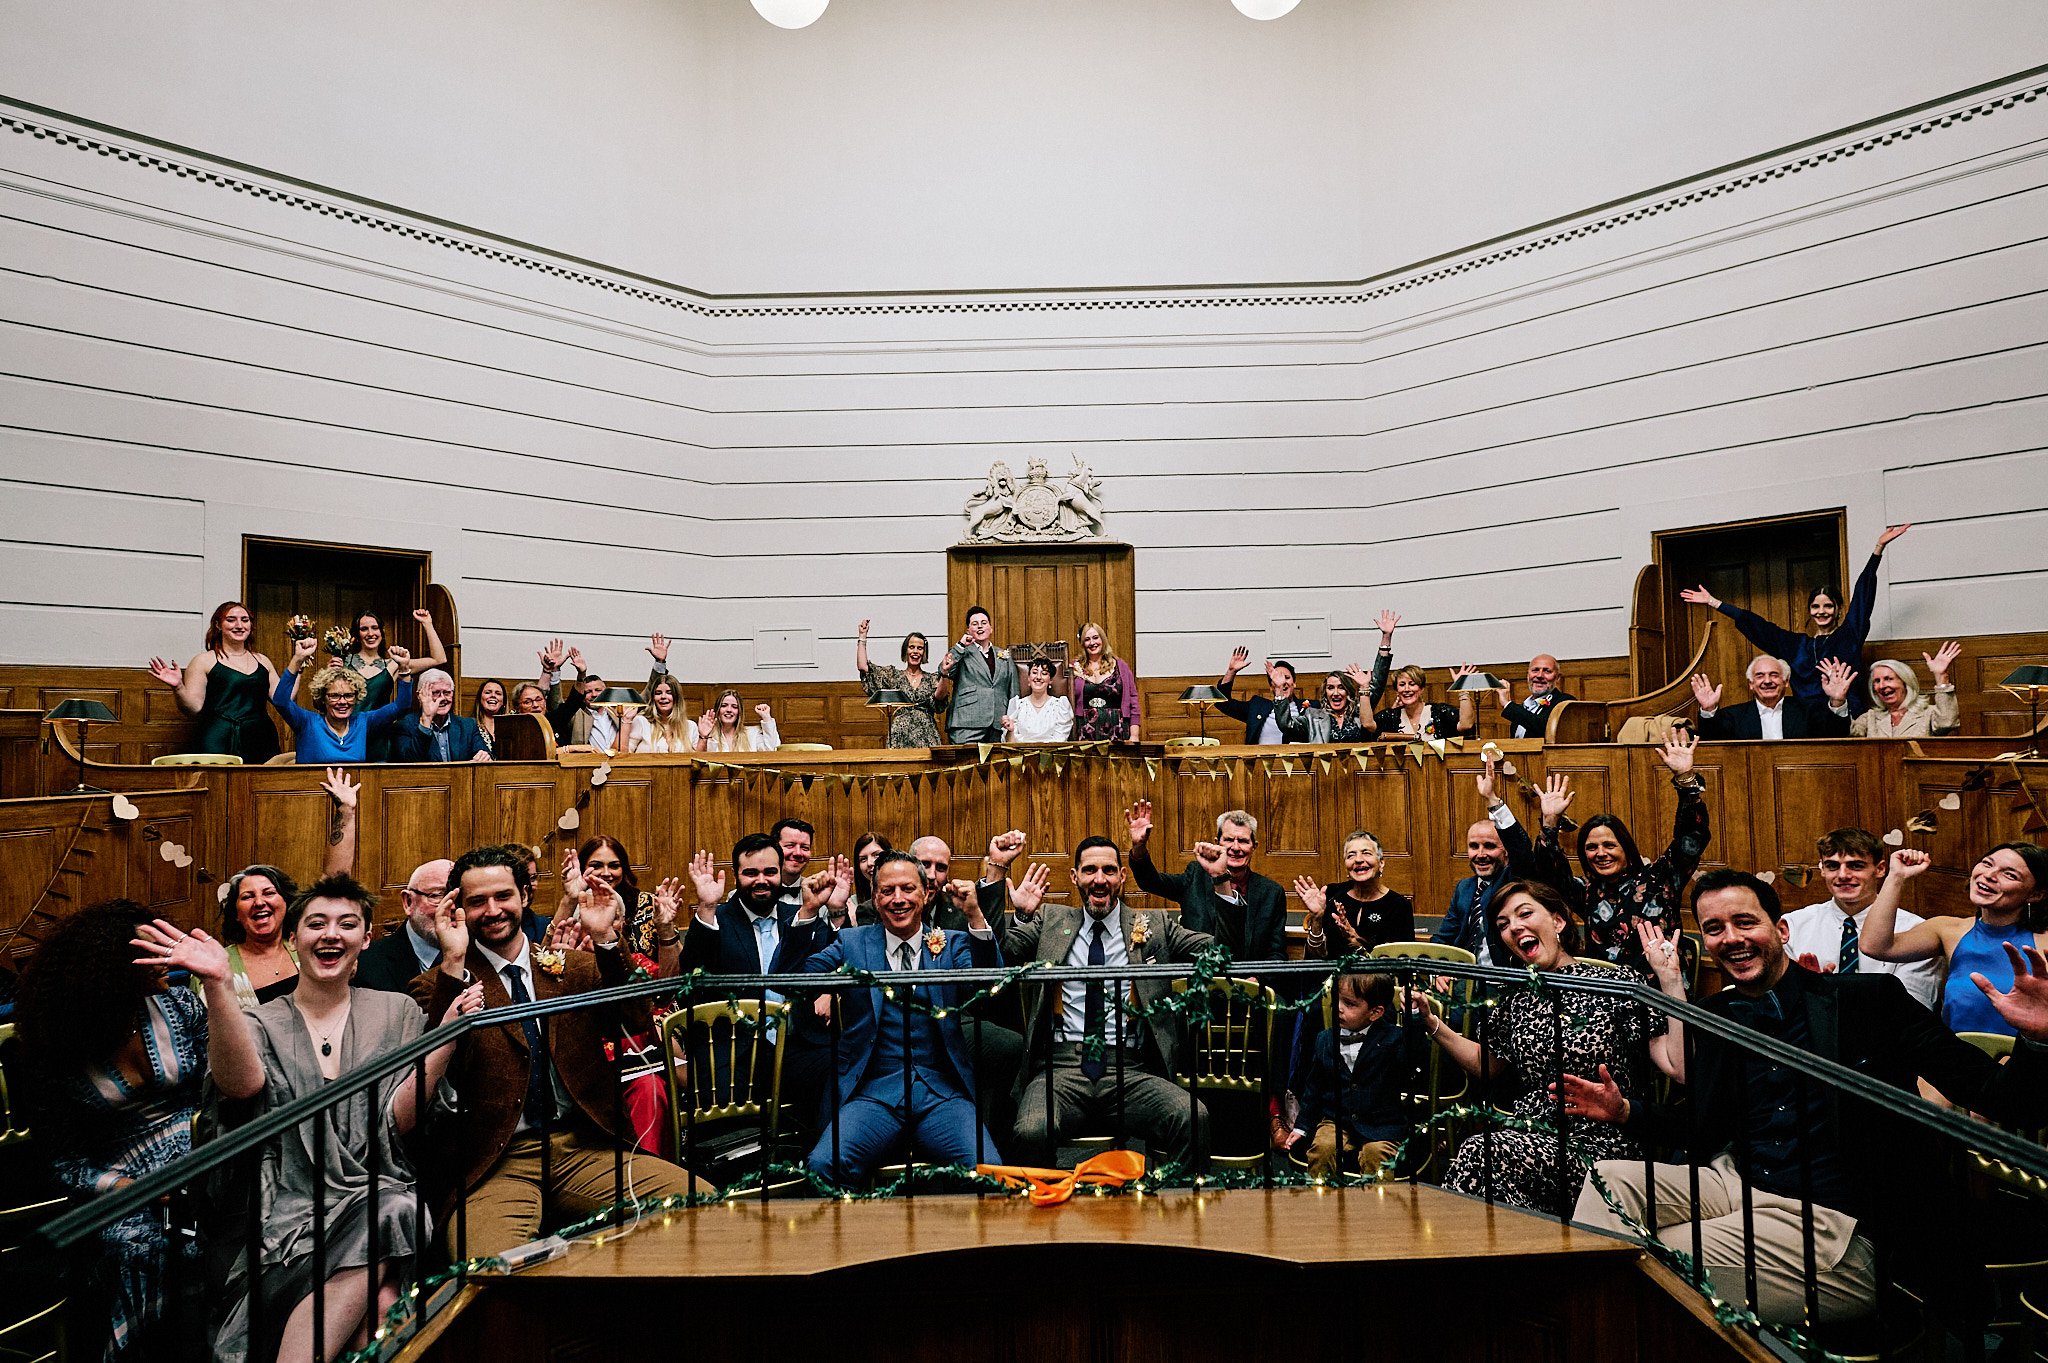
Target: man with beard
(1528, 719)
(905, 1073)
(1752, 1122)
(1131, 1072)
(523, 1085)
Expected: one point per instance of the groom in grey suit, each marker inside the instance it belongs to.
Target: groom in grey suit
(984, 683)
(1138, 1057)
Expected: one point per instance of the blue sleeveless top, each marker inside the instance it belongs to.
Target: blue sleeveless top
(1982, 950)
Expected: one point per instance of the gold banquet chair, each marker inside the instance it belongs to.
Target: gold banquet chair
(197, 759)
(723, 1067)
(1229, 1058)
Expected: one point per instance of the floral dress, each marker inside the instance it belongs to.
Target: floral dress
(110, 1133)
(1608, 906)
(915, 725)
(1522, 1033)
(1100, 715)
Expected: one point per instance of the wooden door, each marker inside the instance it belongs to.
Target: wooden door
(1771, 567)
(330, 584)
(1044, 593)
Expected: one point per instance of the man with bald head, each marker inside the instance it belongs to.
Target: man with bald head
(393, 961)
(1529, 719)
(1498, 850)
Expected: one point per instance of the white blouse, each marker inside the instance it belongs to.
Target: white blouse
(753, 738)
(1052, 722)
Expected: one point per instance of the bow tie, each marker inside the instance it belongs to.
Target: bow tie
(1345, 1038)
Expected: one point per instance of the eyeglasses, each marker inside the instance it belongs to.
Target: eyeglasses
(429, 892)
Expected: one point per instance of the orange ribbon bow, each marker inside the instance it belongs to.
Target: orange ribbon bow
(1050, 1187)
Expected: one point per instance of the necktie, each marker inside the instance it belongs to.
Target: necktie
(537, 1095)
(1093, 1017)
(1852, 947)
(903, 961)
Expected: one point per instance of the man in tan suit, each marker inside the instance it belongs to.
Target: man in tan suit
(492, 1151)
(1085, 1090)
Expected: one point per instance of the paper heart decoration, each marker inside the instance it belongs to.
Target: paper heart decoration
(601, 775)
(570, 821)
(535, 849)
(1895, 838)
(1767, 877)
(221, 893)
(182, 860)
(1489, 749)
(124, 808)
(169, 850)
(1951, 801)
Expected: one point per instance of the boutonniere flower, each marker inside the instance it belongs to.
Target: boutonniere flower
(550, 961)
(1141, 928)
(935, 941)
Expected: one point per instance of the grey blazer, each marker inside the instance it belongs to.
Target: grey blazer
(979, 700)
(1049, 935)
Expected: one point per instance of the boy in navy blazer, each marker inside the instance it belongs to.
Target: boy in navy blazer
(1356, 1077)
(904, 1074)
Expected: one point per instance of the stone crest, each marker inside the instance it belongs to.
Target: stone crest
(1037, 510)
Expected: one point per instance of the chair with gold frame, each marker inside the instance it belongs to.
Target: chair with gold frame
(723, 1062)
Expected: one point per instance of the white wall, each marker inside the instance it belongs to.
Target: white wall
(1485, 445)
(977, 144)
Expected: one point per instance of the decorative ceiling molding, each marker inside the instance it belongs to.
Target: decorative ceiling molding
(84, 136)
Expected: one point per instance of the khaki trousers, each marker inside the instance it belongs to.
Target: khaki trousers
(505, 1209)
(1843, 1259)
(1322, 1152)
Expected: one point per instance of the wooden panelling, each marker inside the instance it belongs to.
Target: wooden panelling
(1767, 804)
(61, 853)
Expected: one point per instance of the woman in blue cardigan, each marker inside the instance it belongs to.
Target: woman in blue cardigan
(336, 732)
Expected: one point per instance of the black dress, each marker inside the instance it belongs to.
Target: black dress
(235, 716)
(1390, 918)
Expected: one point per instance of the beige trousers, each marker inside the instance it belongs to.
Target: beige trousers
(1842, 1258)
(505, 1209)
(1322, 1152)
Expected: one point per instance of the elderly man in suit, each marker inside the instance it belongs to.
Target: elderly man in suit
(1775, 712)
(1131, 1074)
(1530, 718)
(905, 1074)
(1498, 850)
(434, 732)
(1219, 893)
(984, 683)
(524, 1086)
(395, 960)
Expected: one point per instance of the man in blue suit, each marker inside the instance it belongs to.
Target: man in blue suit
(1261, 724)
(1498, 851)
(903, 1072)
(433, 732)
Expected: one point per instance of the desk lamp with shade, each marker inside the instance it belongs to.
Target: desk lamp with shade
(83, 713)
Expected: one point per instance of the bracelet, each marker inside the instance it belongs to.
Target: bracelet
(667, 939)
(1690, 781)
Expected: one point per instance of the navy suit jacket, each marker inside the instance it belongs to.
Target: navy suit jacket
(1466, 923)
(1369, 1095)
(1801, 721)
(731, 948)
(409, 743)
(1253, 712)
(863, 1011)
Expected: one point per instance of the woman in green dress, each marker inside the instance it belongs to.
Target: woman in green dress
(227, 689)
(369, 657)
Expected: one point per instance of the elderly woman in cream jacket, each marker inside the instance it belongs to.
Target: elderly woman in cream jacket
(1899, 710)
